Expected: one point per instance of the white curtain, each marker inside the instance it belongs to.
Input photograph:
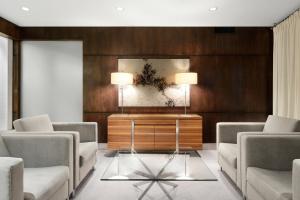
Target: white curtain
(286, 68)
(5, 83)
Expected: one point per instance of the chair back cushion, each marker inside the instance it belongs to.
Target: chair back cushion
(281, 124)
(3, 149)
(36, 123)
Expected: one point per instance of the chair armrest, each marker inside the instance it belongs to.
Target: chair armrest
(239, 175)
(227, 131)
(88, 130)
(76, 141)
(296, 179)
(274, 151)
(11, 177)
(42, 150)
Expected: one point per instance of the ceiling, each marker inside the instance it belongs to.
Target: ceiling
(147, 13)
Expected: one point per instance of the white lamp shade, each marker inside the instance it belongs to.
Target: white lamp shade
(186, 78)
(121, 78)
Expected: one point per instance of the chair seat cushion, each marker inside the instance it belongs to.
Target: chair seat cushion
(42, 183)
(281, 124)
(228, 152)
(36, 123)
(271, 185)
(86, 151)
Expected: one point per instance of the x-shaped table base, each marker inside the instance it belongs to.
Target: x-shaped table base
(154, 178)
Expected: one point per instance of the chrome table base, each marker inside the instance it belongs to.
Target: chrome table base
(155, 178)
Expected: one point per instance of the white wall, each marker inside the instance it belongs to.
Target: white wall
(51, 79)
(5, 83)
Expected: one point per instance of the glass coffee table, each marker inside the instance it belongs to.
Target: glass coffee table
(161, 168)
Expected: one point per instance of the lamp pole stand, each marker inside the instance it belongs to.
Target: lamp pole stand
(185, 88)
(121, 88)
(186, 79)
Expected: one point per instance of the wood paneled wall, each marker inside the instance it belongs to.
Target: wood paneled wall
(9, 29)
(235, 69)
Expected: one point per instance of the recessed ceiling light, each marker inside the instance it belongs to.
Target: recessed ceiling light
(120, 8)
(25, 8)
(213, 9)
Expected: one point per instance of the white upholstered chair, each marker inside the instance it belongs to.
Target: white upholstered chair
(84, 137)
(233, 145)
(31, 169)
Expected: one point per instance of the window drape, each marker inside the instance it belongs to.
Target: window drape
(286, 68)
(5, 83)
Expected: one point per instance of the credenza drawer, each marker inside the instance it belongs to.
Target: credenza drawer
(155, 122)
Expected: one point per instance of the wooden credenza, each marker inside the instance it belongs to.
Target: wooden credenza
(154, 131)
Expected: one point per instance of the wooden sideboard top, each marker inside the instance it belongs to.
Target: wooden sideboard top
(154, 116)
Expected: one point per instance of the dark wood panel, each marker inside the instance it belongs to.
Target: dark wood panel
(231, 84)
(16, 79)
(234, 69)
(245, 41)
(159, 40)
(99, 94)
(53, 33)
(9, 29)
(150, 41)
(101, 119)
(226, 84)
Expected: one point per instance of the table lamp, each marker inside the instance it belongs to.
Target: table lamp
(186, 79)
(121, 79)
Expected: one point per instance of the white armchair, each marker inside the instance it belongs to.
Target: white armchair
(229, 144)
(84, 138)
(85, 148)
(36, 167)
(267, 168)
